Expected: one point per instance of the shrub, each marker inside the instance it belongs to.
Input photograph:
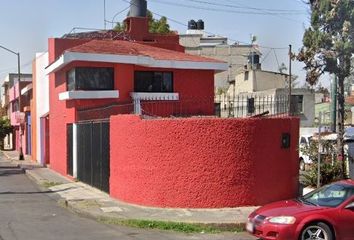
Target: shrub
(329, 173)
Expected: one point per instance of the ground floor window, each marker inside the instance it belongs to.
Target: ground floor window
(145, 81)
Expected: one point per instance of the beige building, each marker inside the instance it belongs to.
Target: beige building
(255, 80)
(197, 42)
(255, 91)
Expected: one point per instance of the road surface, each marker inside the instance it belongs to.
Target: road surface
(27, 213)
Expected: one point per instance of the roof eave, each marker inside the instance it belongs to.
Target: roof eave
(146, 61)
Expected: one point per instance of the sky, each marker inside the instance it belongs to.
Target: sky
(26, 25)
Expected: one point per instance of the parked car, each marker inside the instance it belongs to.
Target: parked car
(326, 213)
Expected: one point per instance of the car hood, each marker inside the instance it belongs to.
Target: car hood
(286, 208)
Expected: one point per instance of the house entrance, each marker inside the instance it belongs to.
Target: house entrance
(92, 153)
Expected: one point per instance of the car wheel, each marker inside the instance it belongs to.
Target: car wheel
(317, 231)
(302, 164)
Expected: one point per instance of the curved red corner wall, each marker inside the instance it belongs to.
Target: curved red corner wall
(202, 162)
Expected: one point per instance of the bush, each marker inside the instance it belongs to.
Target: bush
(329, 173)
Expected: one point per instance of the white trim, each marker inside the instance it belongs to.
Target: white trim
(155, 96)
(26, 89)
(147, 61)
(70, 95)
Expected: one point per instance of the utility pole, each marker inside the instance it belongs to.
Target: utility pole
(104, 15)
(334, 103)
(20, 157)
(290, 59)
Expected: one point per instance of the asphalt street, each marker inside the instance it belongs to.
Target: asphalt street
(28, 213)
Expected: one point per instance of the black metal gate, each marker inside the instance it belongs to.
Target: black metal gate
(93, 154)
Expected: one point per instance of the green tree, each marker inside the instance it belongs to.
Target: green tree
(5, 128)
(155, 25)
(328, 47)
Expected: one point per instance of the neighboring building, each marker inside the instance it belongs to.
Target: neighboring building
(256, 80)
(11, 91)
(40, 109)
(255, 91)
(197, 42)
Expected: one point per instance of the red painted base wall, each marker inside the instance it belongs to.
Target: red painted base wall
(202, 162)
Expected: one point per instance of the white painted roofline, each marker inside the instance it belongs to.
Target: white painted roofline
(146, 61)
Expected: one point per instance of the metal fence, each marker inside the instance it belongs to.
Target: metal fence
(238, 107)
(251, 105)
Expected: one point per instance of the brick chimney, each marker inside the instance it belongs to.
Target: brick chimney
(137, 23)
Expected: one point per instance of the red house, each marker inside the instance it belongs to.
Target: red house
(91, 75)
(198, 162)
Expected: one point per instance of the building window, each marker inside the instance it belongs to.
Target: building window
(297, 104)
(90, 78)
(15, 107)
(153, 81)
(246, 75)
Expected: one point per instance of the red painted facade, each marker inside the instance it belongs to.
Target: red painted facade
(188, 83)
(202, 162)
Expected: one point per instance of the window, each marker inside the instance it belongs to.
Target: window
(297, 104)
(246, 75)
(90, 78)
(153, 81)
(15, 107)
(329, 196)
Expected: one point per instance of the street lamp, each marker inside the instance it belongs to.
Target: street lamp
(20, 157)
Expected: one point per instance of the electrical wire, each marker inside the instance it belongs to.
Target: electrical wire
(251, 8)
(224, 10)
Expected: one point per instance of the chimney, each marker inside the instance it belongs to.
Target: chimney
(137, 23)
(138, 8)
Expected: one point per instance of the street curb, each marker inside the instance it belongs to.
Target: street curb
(72, 205)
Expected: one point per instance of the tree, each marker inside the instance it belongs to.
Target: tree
(155, 25)
(5, 126)
(328, 47)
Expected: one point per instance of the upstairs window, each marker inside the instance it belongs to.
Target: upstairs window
(297, 102)
(246, 75)
(153, 81)
(90, 78)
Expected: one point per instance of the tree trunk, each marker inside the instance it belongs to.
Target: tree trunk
(341, 112)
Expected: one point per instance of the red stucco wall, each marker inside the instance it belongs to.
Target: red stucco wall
(202, 162)
(196, 83)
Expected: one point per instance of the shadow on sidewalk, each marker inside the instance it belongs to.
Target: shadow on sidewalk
(35, 192)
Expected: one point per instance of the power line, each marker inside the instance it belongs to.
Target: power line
(224, 10)
(246, 7)
(185, 25)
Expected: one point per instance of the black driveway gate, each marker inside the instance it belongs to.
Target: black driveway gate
(93, 154)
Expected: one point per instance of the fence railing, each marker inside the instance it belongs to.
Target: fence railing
(238, 107)
(251, 105)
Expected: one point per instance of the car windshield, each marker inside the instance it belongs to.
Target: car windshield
(329, 196)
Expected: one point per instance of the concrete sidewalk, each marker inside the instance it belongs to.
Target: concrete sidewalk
(93, 203)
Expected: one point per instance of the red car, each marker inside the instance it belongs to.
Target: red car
(326, 214)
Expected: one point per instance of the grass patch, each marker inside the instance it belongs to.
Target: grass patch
(170, 226)
(48, 184)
